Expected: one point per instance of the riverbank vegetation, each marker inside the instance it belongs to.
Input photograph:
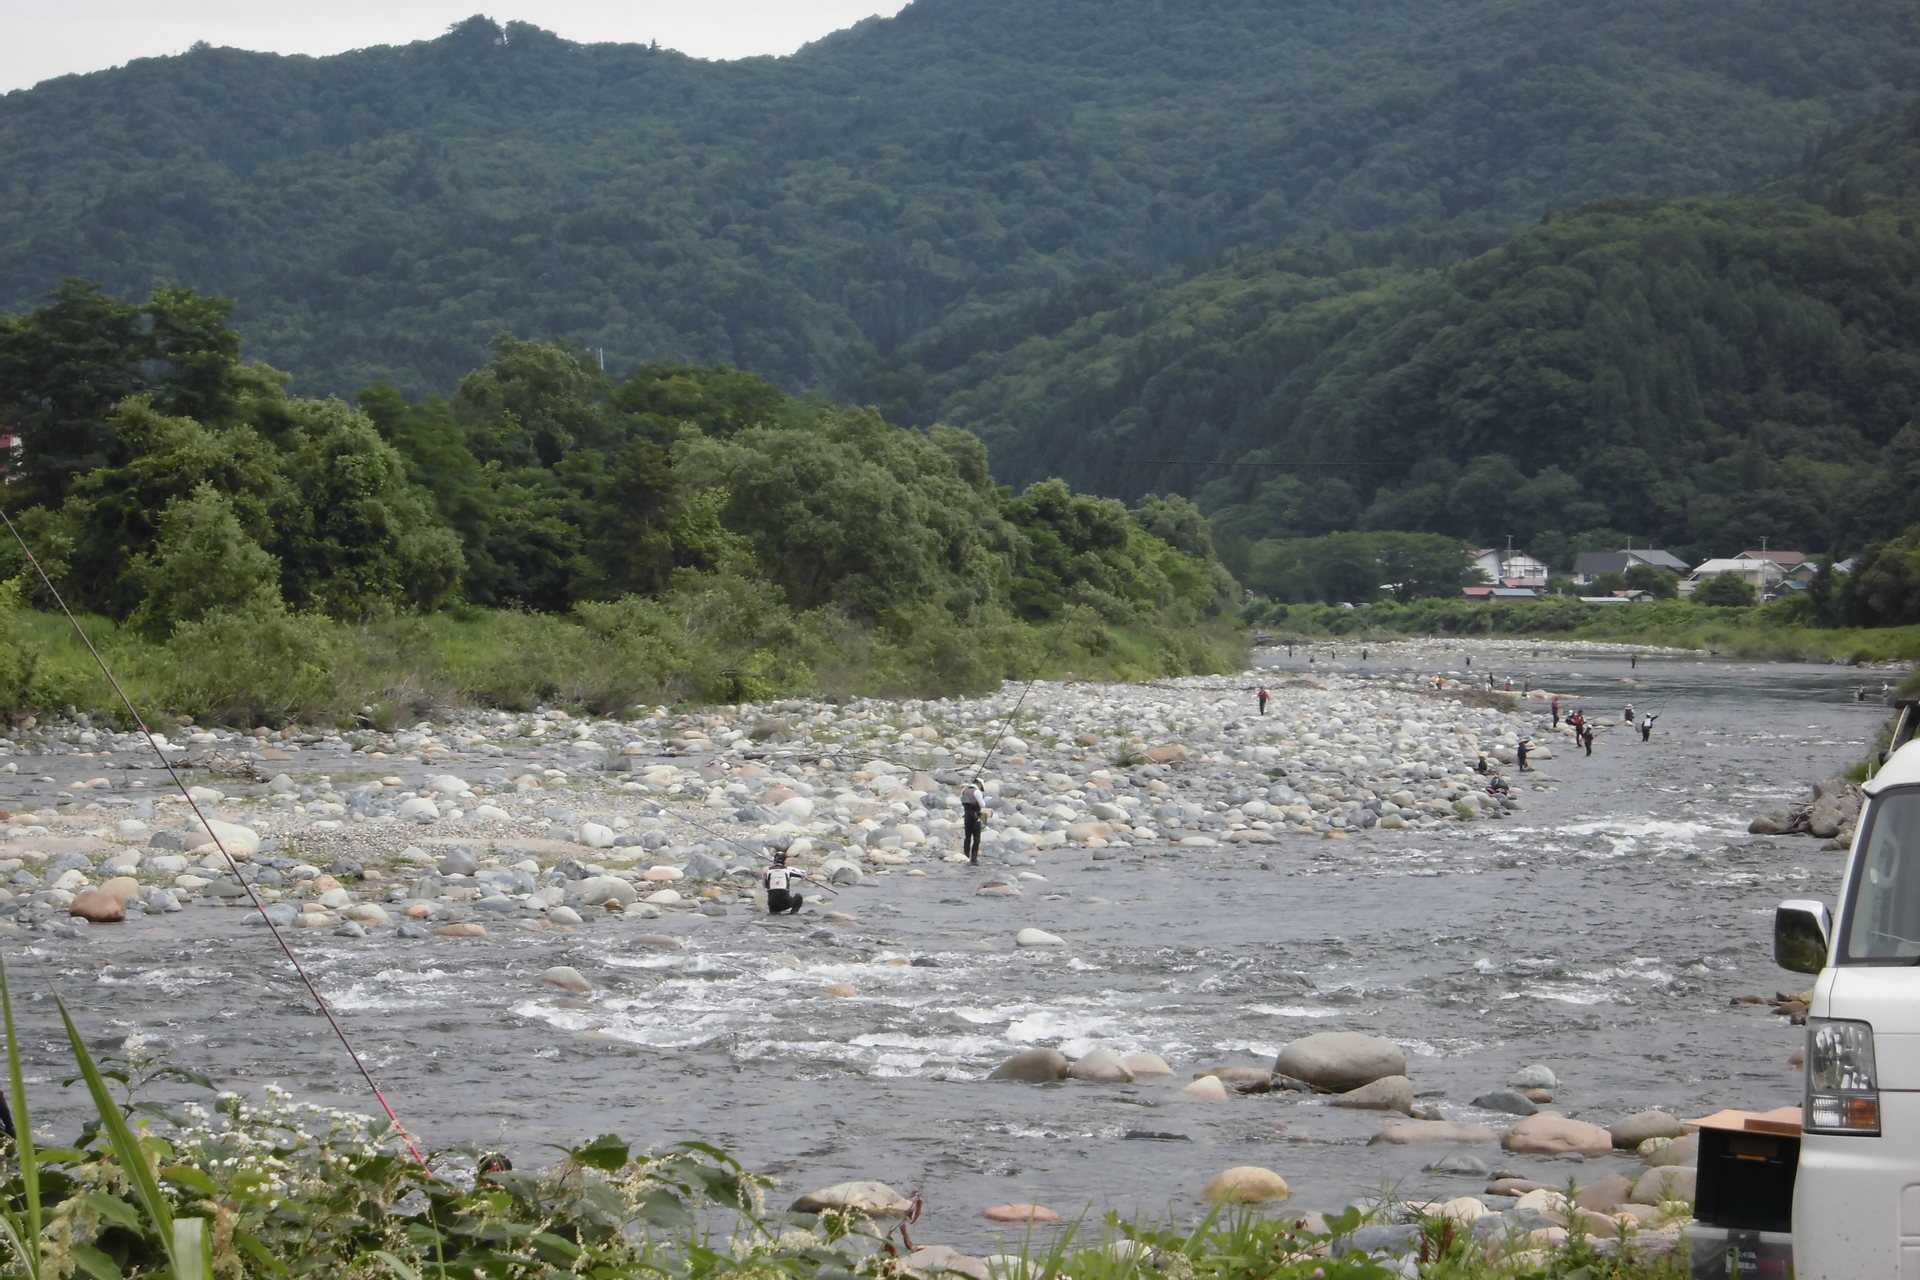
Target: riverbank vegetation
(229, 1185)
(545, 533)
(1769, 632)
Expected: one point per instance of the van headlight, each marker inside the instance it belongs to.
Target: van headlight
(1843, 1089)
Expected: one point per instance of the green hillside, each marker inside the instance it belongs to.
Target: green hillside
(384, 214)
(1704, 373)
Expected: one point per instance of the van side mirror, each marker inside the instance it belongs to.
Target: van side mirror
(1801, 929)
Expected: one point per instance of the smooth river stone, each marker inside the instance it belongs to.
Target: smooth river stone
(1547, 1133)
(1247, 1184)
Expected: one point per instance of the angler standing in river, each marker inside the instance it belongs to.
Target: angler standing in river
(973, 819)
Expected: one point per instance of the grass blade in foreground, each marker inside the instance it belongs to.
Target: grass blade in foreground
(27, 1250)
(126, 1148)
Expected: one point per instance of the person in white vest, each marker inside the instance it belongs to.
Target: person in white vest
(973, 818)
(783, 887)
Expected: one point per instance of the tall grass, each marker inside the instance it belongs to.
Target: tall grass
(714, 639)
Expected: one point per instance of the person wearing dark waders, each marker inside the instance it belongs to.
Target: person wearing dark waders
(1628, 718)
(973, 818)
(1520, 750)
(1556, 711)
(1584, 736)
(1646, 725)
(783, 888)
(1263, 697)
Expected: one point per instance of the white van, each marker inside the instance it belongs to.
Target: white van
(1856, 1199)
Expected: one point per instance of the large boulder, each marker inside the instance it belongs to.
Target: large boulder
(1033, 1066)
(1248, 1184)
(1548, 1133)
(1836, 803)
(1669, 1182)
(1146, 1066)
(1629, 1133)
(1678, 1152)
(97, 906)
(1340, 1060)
(866, 1198)
(941, 1259)
(598, 889)
(1388, 1093)
(1102, 1066)
(241, 843)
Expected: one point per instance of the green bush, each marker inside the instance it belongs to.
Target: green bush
(257, 663)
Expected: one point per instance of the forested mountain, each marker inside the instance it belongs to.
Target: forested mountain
(384, 214)
(1700, 372)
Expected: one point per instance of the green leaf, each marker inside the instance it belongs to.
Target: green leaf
(396, 1266)
(192, 1248)
(605, 1153)
(251, 1246)
(661, 1208)
(559, 1251)
(189, 1177)
(126, 1147)
(95, 1263)
(113, 1209)
(28, 1251)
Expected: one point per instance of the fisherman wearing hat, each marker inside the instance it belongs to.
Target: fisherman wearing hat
(1520, 755)
(973, 818)
(783, 893)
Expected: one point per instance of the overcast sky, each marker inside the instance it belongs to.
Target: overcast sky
(40, 39)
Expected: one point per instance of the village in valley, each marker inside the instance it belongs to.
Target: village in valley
(1632, 576)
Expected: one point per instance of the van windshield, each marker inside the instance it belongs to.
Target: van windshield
(1883, 915)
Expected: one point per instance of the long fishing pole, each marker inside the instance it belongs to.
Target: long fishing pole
(233, 863)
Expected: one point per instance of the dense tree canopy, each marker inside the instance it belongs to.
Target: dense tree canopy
(540, 484)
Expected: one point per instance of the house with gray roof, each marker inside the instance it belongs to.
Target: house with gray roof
(1589, 565)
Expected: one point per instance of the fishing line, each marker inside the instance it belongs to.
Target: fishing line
(233, 864)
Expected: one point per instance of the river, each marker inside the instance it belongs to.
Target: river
(1602, 932)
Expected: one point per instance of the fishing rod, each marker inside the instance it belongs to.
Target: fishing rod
(233, 864)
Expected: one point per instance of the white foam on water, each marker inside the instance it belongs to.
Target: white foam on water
(956, 1048)
(1053, 1025)
(1565, 993)
(1292, 1011)
(1258, 1048)
(395, 989)
(667, 1026)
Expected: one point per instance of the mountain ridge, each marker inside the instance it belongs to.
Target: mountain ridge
(384, 214)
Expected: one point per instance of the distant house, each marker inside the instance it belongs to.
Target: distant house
(1785, 558)
(1508, 567)
(1763, 575)
(1499, 593)
(1807, 570)
(1589, 565)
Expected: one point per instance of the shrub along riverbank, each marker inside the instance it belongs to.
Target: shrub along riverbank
(1763, 633)
(711, 638)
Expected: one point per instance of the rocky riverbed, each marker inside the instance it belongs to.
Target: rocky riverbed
(543, 927)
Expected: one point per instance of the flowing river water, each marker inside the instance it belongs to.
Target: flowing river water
(1602, 932)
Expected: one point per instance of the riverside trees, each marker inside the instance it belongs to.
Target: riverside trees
(166, 484)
